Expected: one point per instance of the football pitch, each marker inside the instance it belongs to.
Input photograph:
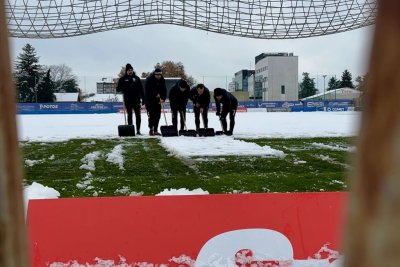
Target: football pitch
(143, 166)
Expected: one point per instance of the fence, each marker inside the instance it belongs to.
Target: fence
(248, 106)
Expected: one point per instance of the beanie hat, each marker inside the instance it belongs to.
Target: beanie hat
(217, 91)
(183, 84)
(128, 67)
(157, 71)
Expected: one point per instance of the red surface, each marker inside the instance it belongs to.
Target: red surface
(155, 229)
(241, 109)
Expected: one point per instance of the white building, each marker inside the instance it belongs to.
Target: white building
(66, 97)
(105, 98)
(276, 77)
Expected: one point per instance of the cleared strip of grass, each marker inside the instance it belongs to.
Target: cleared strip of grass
(312, 164)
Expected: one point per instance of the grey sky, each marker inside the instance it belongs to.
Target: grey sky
(208, 57)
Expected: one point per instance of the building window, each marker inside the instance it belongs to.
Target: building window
(282, 89)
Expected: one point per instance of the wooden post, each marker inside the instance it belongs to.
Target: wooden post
(13, 243)
(373, 228)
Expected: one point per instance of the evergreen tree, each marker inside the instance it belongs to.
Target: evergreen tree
(45, 90)
(27, 74)
(307, 86)
(346, 80)
(333, 84)
(70, 86)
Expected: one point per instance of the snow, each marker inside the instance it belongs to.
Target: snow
(38, 191)
(57, 128)
(54, 128)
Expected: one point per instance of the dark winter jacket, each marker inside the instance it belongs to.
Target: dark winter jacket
(132, 89)
(228, 101)
(203, 100)
(153, 88)
(178, 99)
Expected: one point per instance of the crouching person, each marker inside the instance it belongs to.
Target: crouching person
(200, 95)
(178, 99)
(229, 106)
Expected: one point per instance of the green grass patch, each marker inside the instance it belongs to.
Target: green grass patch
(309, 165)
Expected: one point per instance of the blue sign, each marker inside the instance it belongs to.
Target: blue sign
(114, 107)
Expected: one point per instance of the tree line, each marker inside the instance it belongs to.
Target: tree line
(307, 86)
(37, 83)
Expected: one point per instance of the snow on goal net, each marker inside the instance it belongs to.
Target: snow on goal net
(262, 19)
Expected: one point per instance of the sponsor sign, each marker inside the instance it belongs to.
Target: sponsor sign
(344, 103)
(312, 104)
(114, 107)
(48, 106)
(280, 229)
(278, 109)
(336, 109)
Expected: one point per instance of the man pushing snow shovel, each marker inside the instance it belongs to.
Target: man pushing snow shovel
(200, 95)
(178, 99)
(229, 105)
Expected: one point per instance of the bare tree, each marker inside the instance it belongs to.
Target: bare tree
(63, 78)
(172, 69)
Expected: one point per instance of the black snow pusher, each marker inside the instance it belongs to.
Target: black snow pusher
(205, 131)
(167, 130)
(126, 130)
(187, 132)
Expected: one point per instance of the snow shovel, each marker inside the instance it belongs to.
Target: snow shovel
(126, 130)
(186, 132)
(222, 128)
(205, 131)
(167, 130)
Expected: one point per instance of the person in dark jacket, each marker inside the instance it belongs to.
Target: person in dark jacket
(155, 95)
(229, 105)
(178, 99)
(132, 89)
(200, 95)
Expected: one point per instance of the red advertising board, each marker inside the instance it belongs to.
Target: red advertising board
(241, 109)
(277, 229)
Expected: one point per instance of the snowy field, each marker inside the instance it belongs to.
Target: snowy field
(49, 128)
(54, 128)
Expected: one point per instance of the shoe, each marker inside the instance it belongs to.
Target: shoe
(157, 133)
(138, 133)
(151, 133)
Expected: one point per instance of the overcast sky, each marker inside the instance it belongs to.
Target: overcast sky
(208, 57)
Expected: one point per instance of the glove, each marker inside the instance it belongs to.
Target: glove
(218, 113)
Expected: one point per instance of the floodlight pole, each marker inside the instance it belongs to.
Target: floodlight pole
(324, 84)
(103, 80)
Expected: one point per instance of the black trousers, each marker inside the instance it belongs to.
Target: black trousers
(154, 113)
(197, 117)
(182, 115)
(136, 107)
(232, 114)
